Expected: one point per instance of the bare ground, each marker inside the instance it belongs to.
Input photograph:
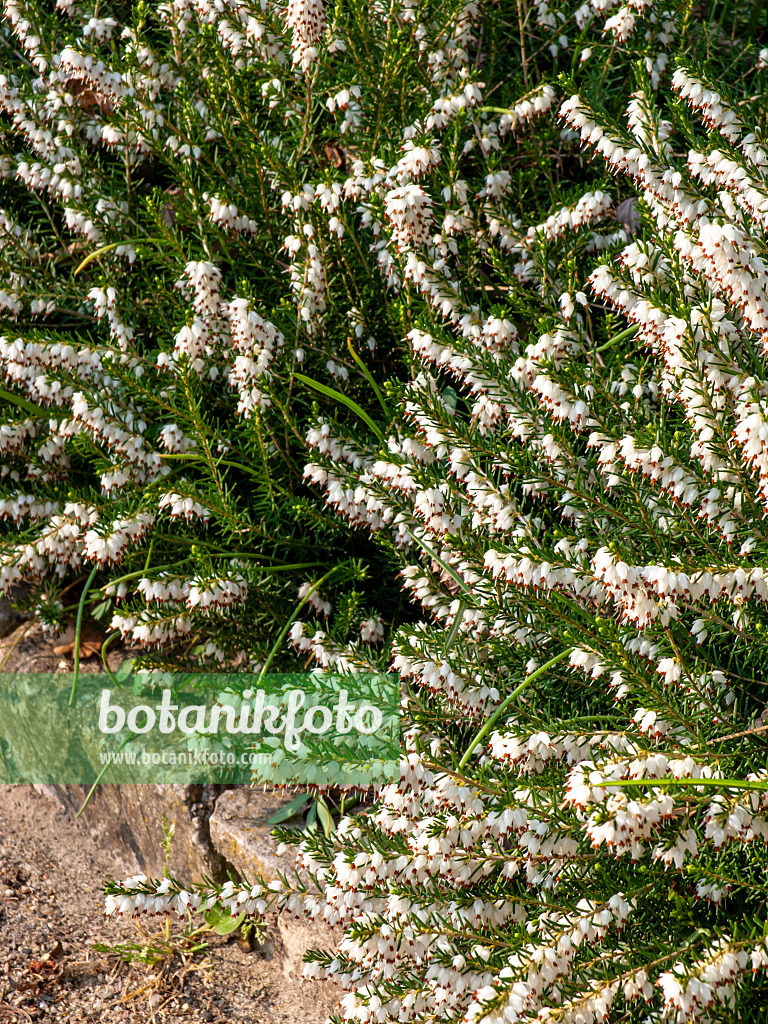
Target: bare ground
(51, 916)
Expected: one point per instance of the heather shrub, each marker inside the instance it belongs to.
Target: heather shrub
(197, 202)
(548, 420)
(591, 847)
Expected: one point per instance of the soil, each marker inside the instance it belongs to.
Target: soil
(51, 918)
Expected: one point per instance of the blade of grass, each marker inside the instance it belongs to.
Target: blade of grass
(100, 776)
(618, 337)
(104, 646)
(22, 403)
(443, 565)
(367, 374)
(350, 404)
(284, 631)
(507, 701)
(457, 621)
(78, 628)
(114, 245)
(194, 457)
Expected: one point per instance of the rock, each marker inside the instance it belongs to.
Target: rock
(57, 748)
(217, 830)
(299, 936)
(10, 619)
(241, 833)
(127, 821)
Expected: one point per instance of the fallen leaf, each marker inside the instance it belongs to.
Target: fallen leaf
(87, 99)
(57, 952)
(88, 648)
(336, 155)
(41, 966)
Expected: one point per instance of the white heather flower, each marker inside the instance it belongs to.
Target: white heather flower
(523, 112)
(409, 209)
(108, 547)
(306, 19)
(415, 162)
(217, 592)
(321, 606)
(372, 630)
(173, 440)
(100, 29)
(183, 505)
(227, 216)
(621, 25)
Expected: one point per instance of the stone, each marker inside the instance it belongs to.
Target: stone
(218, 830)
(127, 821)
(241, 833)
(10, 619)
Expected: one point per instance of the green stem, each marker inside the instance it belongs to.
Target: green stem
(133, 575)
(104, 646)
(505, 703)
(100, 776)
(294, 616)
(78, 628)
(619, 337)
(271, 568)
(215, 554)
(760, 785)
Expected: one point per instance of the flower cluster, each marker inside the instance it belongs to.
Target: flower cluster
(578, 514)
(306, 18)
(224, 226)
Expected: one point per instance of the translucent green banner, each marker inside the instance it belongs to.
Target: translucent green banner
(139, 727)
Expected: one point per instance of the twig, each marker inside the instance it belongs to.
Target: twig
(522, 43)
(738, 735)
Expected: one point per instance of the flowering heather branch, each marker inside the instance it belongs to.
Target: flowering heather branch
(306, 18)
(201, 199)
(157, 377)
(597, 490)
